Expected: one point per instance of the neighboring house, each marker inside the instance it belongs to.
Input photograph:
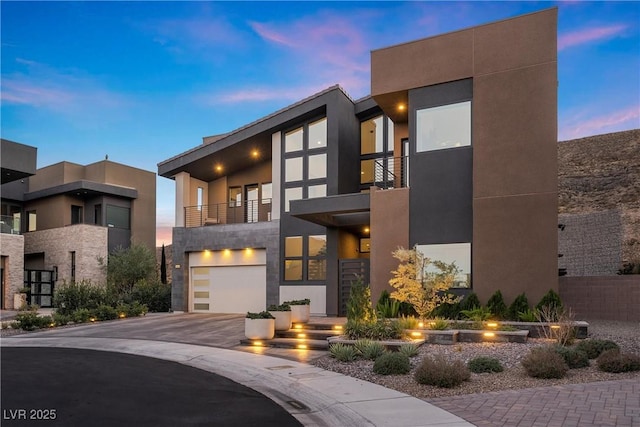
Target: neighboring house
(455, 152)
(68, 216)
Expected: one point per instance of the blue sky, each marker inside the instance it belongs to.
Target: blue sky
(144, 81)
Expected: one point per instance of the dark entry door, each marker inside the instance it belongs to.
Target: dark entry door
(41, 284)
(350, 271)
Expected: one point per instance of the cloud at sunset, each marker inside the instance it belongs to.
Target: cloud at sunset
(588, 35)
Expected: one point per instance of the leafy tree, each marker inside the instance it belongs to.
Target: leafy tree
(359, 307)
(127, 266)
(423, 288)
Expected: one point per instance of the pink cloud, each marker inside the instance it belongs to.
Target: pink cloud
(588, 35)
(577, 127)
(164, 235)
(270, 34)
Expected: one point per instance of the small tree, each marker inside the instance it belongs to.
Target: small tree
(359, 307)
(126, 267)
(420, 286)
(163, 267)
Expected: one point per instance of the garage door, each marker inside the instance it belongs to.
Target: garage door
(229, 289)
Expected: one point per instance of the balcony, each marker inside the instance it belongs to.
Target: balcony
(9, 224)
(391, 172)
(233, 212)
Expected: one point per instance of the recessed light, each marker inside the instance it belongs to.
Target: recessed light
(401, 107)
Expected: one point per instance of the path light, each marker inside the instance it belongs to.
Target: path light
(492, 324)
(555, 326)
(92, 319)
(51, 325)
(301, 346)
(302, 335)
(489, 334)
(257, 343)
(122, 315)
(337, 327)
(416, 334)
(420, 324)
(297, 326)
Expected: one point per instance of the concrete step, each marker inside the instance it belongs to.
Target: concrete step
(321, 326)
(289, 343)
(311, 334)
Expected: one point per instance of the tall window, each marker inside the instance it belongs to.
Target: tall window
(118, 217)
(76, 214)
(97, 214)
(293, 258)
(73, 265)
(376, 149)
(305, 258)
(305, 162)
(446, 126)
(200, 197)
(235, 197)
(31, 221)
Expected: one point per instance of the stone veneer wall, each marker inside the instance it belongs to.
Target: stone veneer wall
(604, 298)
(12, 247)
(88, 241)
(591, 243)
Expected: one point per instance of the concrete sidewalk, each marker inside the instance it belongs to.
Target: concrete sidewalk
(312, 395)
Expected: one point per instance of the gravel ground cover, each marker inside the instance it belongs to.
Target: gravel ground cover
(625, 334)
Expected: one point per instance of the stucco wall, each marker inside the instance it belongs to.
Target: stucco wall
(11, 250)
(89, 242)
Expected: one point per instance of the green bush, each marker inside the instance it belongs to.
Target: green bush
(407, 322)
(595, 347)
(477, 314)
(81, 315)
(528, 315)
(281, 307)
(105, 312)
(409, 349)
(573, 357)
(359, 303)
(75, 295)
(614, 361)
(441, 372)
(552, 300)
(497, 306)
(61, 319)
(387, 307)
(447, 311)
(519, 305)
(544, 362)
(470, 302)
(261, 315)
(395, 363)
(155, 295)
(439, 324)
(382, 329)
(343, 352)
(46, 322)
(28, 320)
(369, 349)
(128, 266)
(482, 364)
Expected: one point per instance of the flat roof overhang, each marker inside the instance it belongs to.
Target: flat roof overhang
(84, 189)
(341, 211)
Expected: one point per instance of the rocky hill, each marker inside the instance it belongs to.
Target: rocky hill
(602, 173)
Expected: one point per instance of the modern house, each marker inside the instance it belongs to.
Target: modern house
(454, 152)
(57, 221)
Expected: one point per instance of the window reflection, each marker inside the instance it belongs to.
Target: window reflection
(447, 126)
(372, 136)
(318, 134)
(318, 166)
(293, 169)
(460, 253)
(293, 140)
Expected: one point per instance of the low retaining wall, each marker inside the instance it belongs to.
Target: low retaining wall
(602, 297)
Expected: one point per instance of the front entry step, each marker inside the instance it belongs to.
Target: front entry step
(294, 343)
(311, 336)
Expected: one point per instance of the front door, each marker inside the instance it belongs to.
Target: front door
(251, 202)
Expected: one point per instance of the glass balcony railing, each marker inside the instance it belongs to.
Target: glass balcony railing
(10, 224)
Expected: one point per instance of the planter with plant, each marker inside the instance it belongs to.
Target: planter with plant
(259, 326)
(282, 315)
(20, 298)
(300, 310)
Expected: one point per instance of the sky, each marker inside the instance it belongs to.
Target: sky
(144, 81)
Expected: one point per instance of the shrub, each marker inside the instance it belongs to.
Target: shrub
(573, 357)
(359, 302)
(261, 315)
(343, 352)
(369, 349)
(447, 311)
(477, 314)
(281, 307)
(28, 320)
(441, 372)
(470, 302)
(528, 315)
(614, 361)
(105, 312)
(552, 300)
(305, 301)
(45, 322)
(382, 329)
(407, 322)
(544, 362)
(519, 305)
(497, 306)
(395, 363)
(482, 364)
(75, 295)
(155, 295)
(128, 266)
(594, 347)
(61, 319)
(562, 331)
(439, 324)
(81, 315)
(387, 307)
(409, 349)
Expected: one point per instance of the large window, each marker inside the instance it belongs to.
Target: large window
(376, 150)
(305, 258)
(31, 220)
(305, 162)
(460, 253)
(446, 126)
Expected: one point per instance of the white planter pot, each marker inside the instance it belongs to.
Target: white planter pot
(259, 329)
(19, 300)
(283, 320)
(300, 313)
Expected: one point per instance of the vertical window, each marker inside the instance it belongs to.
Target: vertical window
(293, 140)
(118, 217)
(372, 136)
(267, 193)
(31, 221)
(318, 134)
(97, 214)
(317, 257)
(318, 166)
(199, 197)
(291, 194)
(315, 191)
(446, 126)
(376, 152)
(235, 197)
(293, 258)
(460, 253)
(76, 214)
(73, 265)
